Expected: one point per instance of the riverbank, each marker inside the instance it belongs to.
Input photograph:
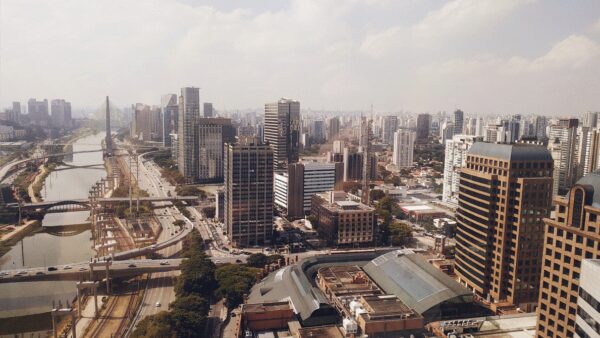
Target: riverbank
(35, 188)
(14, 236)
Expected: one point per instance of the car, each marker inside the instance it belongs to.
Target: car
(39, 273)
(82, 269)
(157, 304)
(51, 268)
(20, 273)
(67, 267)
(131, 266)
(238, 261)
(164, 263)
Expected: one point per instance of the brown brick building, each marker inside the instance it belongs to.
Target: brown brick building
(341, 221)
(504, 193)
(572, 235)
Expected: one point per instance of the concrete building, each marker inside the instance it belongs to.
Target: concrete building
(504, 192)
(353, 166)
(587, 323)
(571, 236)
(213, 133)
(588, 140)
(590, 119)
(389, 126)
(541, 122)
(37, 111)
(282, 131)
(362, 303)
(404, 148)
(61, 113)
(341, 221)
(208, 110)
(189, 112)
(169, 109)
(456, 156)
(333, 128)
(249, 193)
(16, 112)
(446, 131)
(565, 131)
(459, 118)
(147, 122)
(423, 123)
(295, 187)
(174, 147)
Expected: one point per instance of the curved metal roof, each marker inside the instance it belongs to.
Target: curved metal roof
(412, 279)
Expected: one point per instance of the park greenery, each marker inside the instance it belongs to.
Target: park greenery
(391, 231)
(200, 282)
(259, 260)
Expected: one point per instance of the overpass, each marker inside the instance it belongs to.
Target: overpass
(83, 204)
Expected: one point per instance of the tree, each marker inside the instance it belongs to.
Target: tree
(179, 223)
(155, 326)
(274, 258)
(257, 260)
(235, 281)
(209, 212)
(197, 276)
(352, 186)
(377, 194)
(400, 233)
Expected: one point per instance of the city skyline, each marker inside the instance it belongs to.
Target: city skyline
(484, 57)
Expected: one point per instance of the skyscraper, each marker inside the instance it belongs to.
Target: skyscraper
(571, 235)
(282, 131)
(389, 125)
(170, 111)
(61, 113)
(504, 192)
(587, 150)
(38, 111)
(208, 109)
(404, 148)
(590, 119)
(147, 124)
(565, 131)
(459, 119)
(541, 122)
(213, 133)
(454, 161)
(189, 112)
(423, 122)
(249, 193)
(333, 128)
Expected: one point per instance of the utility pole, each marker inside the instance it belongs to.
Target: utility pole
(137, 183)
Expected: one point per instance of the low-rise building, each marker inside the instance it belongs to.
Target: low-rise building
(266, 316)
(342, 221)
(421, 212)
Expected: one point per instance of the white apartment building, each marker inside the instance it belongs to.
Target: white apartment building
(587, 322)
(404, 147)
(456, 154)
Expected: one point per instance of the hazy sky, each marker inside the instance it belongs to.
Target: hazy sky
(485, 56)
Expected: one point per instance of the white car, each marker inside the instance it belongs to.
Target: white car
(157, 304)
(67, 267)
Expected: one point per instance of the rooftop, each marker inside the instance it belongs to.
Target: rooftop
(328, 331)
(511, 152)
(591, 180)
(265, 307)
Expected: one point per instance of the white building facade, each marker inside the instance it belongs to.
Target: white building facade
(404, 147)
(456, 155)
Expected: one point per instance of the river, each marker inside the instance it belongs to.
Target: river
(45, 249)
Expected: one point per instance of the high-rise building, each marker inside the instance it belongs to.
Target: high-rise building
(333, 128)
(571, 235)
(590, 119)
(541, 122)
(565, 131)
(170, 110)
(459, 118)
(404, 148)
(189, 112)
(353, 165)
(249, 193)
(16, 112)
(587, 323)
(61, 113)
(504, 192)
(208, 109)
(389, 125)
(316, 130)
(147, 122)
(213, 133)
(295, 188)
(282, 131)
(38, 112)
(446, 131)
(456, 156)
(423, 122)
(587, 150)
